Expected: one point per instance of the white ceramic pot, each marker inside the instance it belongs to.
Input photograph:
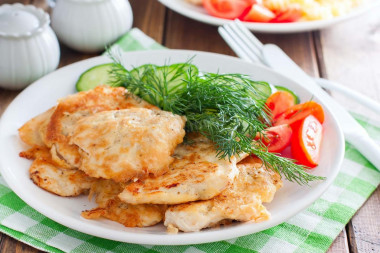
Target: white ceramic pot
(29, 48)
(91, 25)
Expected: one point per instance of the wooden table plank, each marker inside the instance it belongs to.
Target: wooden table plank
(364, 228)
(340, 244)
(10, 245)
(351, 53)
(149, 16)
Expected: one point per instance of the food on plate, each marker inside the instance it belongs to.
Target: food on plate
(63, 182)
(278, 11)
(195, 174)
(30, 132)
(127, 143)
(294, 114)
(111, 207)
(279, 101)
(307, 141)
(242, 200)
(74, 107)
(276, 138)
(297, 125)
(193, 149)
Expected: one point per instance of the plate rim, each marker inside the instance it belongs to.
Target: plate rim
(293, 27)
(164, 239)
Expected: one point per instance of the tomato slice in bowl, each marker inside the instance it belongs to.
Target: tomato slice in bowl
(276, 138)
(306, 142)
(279, 102)
(295, 114)
(228, 9)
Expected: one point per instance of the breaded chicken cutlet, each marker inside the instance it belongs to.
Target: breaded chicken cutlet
(125, 144)
(196, 174)
(48, 133)
(241, 201)
(112, 208)
(77, 106)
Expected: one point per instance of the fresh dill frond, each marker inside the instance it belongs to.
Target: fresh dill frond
(229, 109)
(226, 108)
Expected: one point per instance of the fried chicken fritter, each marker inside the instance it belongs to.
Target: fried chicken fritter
(63, 182)
(74, 107)
(111, 207)
(196, 174)
(129, 143)
(241, 201)
(30, 131)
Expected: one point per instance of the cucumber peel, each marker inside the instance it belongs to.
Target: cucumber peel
(98, 75)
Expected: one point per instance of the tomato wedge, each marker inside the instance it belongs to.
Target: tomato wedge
(291, 14)
(259, 13)
(276, 138)
(279, 102)
(295, 114)
(228, 9)
(306, 142)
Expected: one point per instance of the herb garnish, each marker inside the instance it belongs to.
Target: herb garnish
(229, 109)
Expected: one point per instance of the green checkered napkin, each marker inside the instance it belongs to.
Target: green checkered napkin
(312, 230)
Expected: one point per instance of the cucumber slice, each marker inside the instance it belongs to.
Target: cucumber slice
(140, 71)
(94, 76)
(296, 98)
(263, 89)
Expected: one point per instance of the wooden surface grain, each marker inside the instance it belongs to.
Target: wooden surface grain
(334, 53)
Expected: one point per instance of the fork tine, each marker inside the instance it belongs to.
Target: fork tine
(243, 48)
(241, 38)
(234, 46)
(255, 41)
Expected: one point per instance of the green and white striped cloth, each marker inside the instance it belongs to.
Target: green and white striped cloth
(312, 230)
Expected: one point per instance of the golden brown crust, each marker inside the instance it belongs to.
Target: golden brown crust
(30, 133)
(127, 143)
(241, 201)
(74, 107)
(196, 174)
(63, 182)
(112, 208)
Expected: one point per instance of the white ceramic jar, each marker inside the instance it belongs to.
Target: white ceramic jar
(91, 25)
(29, 48)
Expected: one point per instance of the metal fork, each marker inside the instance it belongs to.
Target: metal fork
(249, 48)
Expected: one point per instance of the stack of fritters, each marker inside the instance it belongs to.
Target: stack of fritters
(133, 158)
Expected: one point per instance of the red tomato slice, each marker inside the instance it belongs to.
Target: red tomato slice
(259, 13)
(292, 14)
(228, 9)
(277, 138)
(306, 142)
(279, 102)
(293, 115)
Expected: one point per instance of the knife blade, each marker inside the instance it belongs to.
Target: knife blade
(353, 132)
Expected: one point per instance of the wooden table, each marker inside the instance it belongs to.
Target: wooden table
(348, 53)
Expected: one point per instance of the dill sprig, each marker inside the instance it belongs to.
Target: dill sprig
(229, 109)
(226, 108)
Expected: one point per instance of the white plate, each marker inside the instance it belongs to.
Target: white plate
(199, 13)
(44, 93)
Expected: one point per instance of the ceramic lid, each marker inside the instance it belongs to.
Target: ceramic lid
(19, 20)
